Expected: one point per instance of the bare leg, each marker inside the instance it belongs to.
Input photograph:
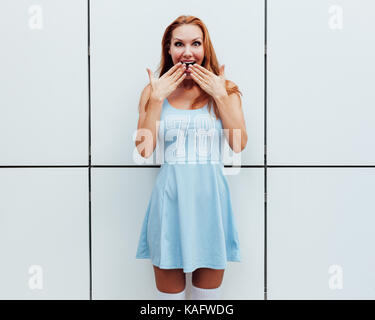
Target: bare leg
(207, 278)
(170, 280)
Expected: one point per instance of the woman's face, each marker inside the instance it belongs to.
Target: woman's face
(187, 45)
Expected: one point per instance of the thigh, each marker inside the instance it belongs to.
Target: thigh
(169, 280)
(207, 278)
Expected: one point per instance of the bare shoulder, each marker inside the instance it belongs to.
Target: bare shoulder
(231, 83)
(234, 97)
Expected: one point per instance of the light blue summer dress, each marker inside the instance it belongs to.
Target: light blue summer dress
(189, 222)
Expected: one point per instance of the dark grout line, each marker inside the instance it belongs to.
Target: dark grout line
(265, 150)
(158, 166)
(89, 151)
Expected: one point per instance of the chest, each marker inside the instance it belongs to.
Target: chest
(185, 100)
(197, 122)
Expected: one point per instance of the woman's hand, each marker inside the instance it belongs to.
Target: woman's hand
(211, 83)
(162, 87)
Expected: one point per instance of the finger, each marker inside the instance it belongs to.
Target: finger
(200, 73)
(178, 73)
(200, 68)
(196, 79)
(173, 69)
(181, 79)
(149, 75)
(201, 76)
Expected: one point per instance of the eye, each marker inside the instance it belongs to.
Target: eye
(176, 43)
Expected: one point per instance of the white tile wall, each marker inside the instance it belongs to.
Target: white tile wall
(312, 239)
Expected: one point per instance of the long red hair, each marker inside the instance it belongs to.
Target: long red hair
(210, 61)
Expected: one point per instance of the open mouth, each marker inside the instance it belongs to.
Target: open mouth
(188, 63)
(187, 66)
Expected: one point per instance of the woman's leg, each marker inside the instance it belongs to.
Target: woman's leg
(206, 284)
(207, 278)
(170, 283)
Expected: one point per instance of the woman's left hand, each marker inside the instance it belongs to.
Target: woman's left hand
(211, 83)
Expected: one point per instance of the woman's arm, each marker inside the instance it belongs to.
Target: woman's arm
(147, 123)
(232, 117)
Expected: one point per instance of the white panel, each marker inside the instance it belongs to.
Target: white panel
(44, 238)
(44, 82)
(247, 193)
(320, 93)
(320, 219)
(125, 40)
(118, 208)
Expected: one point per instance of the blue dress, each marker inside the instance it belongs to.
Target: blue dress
(189, 221)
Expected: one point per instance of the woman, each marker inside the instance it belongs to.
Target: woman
(189, 224)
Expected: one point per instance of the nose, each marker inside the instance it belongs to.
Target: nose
(187, 51)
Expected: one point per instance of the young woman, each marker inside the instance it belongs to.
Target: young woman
(189, 224)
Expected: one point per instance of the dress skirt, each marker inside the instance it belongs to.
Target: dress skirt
(189, 222)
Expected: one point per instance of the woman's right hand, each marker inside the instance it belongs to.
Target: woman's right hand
(162, 87)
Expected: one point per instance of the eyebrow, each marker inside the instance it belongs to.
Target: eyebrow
(191, 40)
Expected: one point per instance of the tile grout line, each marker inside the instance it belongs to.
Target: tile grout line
(89, 135)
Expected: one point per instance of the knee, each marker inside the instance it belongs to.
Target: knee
(206, 284)
(170, 288)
